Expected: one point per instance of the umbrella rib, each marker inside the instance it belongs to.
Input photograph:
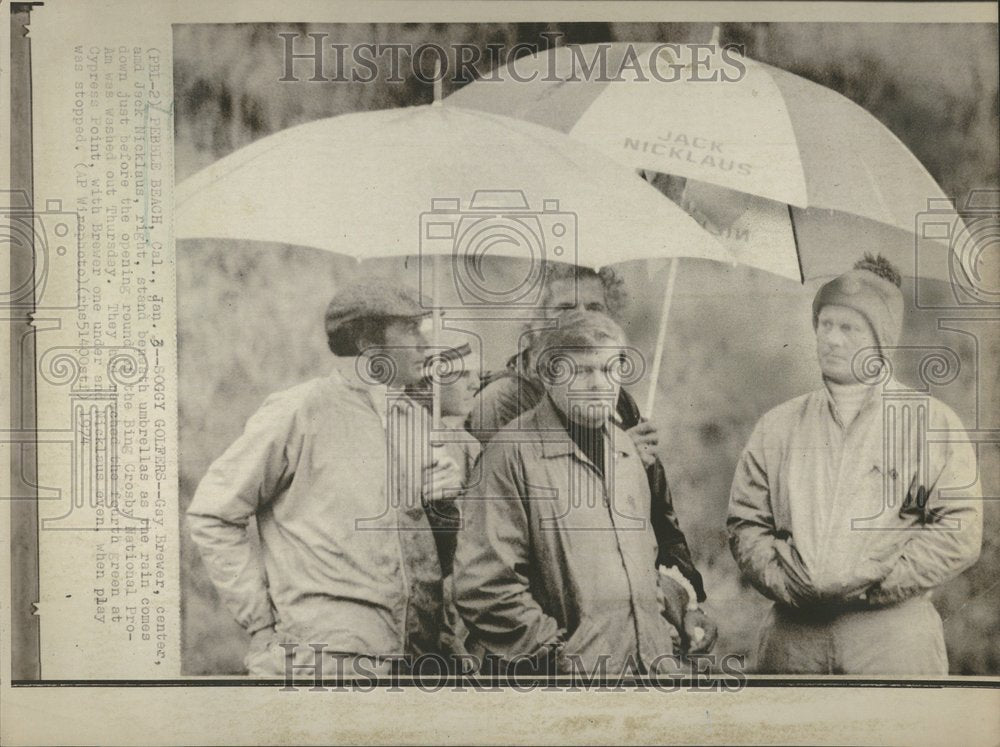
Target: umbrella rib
(791, 128)
(890, 218)
(795, 240)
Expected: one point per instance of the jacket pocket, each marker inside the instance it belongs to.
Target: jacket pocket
(584, 650)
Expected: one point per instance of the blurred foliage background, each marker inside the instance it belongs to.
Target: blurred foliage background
(740, 341)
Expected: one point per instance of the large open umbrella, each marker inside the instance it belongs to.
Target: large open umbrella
(791, 176)
(762, 131)
(366, 184)
(439, 180)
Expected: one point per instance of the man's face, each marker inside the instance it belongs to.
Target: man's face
(568, 294)
(583, 384)
(841, 333)
(457, 396)
(406, 344)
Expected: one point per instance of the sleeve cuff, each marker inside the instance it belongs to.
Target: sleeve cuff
(675, 575)
(260, 623)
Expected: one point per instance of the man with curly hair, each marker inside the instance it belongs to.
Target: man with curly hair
(517, 389)
(845, 511)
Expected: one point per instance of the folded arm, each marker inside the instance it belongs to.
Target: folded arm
(948, 537)
(767, 560)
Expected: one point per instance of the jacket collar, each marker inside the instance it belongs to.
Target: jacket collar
(871, 398)
(556, 441)
(345, 373)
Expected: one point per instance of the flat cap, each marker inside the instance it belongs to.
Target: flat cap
(374, 298)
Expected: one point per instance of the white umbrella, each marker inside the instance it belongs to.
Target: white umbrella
(764, 132)
(439, 180)
(365, 184)
(791, 176)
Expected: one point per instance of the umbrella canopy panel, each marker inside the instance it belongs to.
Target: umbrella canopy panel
(766, 132)
(437, 180)
(807, 243)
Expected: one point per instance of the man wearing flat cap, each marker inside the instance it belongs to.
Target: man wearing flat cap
(847, 517)
(339, 477)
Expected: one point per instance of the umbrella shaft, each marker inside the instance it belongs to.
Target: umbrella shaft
(661, 338)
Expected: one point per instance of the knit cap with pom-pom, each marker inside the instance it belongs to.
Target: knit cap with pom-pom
(872, 288)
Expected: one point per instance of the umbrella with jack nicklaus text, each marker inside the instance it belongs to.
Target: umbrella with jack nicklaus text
(793, 178)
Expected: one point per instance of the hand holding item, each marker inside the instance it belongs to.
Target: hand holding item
(700, 632)
(442, 477)
(678, 596)
(697, 631)
(646, 438)
(675, 599)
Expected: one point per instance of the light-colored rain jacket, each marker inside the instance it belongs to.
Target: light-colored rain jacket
(346, 555)
(551, 552)
(816, 508)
